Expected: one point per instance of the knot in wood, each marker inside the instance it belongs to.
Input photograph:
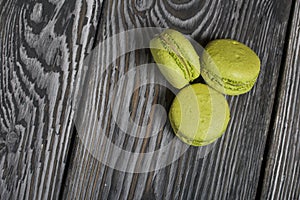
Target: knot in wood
(37, 12)
(12, 141)
(143, 5)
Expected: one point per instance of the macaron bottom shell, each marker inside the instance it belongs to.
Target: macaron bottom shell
(199, 115)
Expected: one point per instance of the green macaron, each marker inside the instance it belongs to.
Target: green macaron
(199, 115)
(176, 57)
(230, 67)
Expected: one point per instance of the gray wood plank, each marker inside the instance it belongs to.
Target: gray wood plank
(42, 44)
(282, 176)
(232, 169)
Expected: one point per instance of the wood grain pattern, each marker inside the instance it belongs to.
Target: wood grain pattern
(232, 169)
(282, 176)
(42, 45)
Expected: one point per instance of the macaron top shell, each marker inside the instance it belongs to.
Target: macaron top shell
(233, 60)
(199, 115)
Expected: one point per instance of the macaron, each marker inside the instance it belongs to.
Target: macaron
(199, 115)
(230, 67)
(176, 57)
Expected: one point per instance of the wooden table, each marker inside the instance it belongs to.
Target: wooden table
(43, 48)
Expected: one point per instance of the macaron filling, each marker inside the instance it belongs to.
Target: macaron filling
(227, 84)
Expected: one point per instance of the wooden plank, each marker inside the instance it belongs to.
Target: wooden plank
(232, 169)
(282, 176)
(42, 46)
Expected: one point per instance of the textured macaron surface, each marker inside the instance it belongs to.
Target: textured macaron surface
(230, 64)
(199, 115)
(176, 57)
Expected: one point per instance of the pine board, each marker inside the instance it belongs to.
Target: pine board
(282, 173)
(232, 169)
(42, 46)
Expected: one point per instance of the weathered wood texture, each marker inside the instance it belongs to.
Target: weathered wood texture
(42, 45)
(232, 169)
(282, 176)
